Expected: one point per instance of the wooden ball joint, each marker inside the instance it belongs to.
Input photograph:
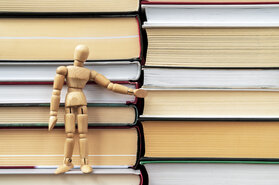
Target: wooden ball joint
(77, 76)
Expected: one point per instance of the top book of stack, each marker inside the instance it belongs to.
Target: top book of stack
(65, 6)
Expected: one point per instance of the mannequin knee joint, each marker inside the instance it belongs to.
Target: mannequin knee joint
(82, 135)
(70, 135)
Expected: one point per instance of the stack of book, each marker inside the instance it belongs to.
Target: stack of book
(211, 115)
(39, 36)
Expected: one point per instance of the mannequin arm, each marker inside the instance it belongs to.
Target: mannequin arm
(103, 81)
(58, 83)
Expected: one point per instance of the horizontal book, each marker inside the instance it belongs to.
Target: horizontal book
(211, 139)
(109, 147)
(211, 173)
(212, 36)
(213, 47)
(212, 15)
(38, 115)
(108, 38)
(210, 2)
(179, 78)
(40, 92)
(46, 6)
(211, 104)
(47, 176)
(45, 71)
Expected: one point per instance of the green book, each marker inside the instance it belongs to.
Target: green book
(34, 115)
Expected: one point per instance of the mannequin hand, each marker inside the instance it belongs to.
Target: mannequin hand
(52, 122)
(140, 93)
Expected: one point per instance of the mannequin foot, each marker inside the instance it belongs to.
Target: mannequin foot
(64, 168)
(86, 169)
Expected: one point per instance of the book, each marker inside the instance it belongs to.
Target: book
(211, 104)
(211, 172)
(238, 140)
(47, 176)
(173, 15)
(110, 147)
(45, 71)
(30, 115)
(202, 78)
(210, 47)
(109, 38)
(40, 92)
(81, 6)
(210, 2)
(204, 36)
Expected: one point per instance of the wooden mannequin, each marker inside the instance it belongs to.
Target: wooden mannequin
(76, 77)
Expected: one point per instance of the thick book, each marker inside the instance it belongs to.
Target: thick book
(236, 140)
(46, 176)
(212, 35)
(197, 78)
(30, 115)
(45, 71)
(211, 172)
(110, 147)
(54, 38)
(211, 104)
(65, 6)
(40, 92)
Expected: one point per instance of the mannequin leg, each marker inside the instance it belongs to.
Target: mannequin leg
(82, 119)
(69, 143)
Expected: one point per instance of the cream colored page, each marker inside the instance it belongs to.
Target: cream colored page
(187, 103)
(210, 47)
(211, 139)
(32, 147)
(56, 38)
(69, 6)
(35, 115)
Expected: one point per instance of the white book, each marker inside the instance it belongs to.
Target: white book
(74, 177)
(211, 15)
(41, 93)
(212, 174)
(44, 71)
(187, 78)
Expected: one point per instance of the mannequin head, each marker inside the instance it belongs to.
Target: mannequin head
(81, 53)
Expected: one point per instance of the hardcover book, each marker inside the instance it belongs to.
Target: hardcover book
(197, 78)
(64, 6)
(108, 37)
(212, 35)
(211, 172)
(40, 92)
(45, 176)
(45, 71)
(115, 147)
(211, 104)
(238, 140)
(30, 115)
